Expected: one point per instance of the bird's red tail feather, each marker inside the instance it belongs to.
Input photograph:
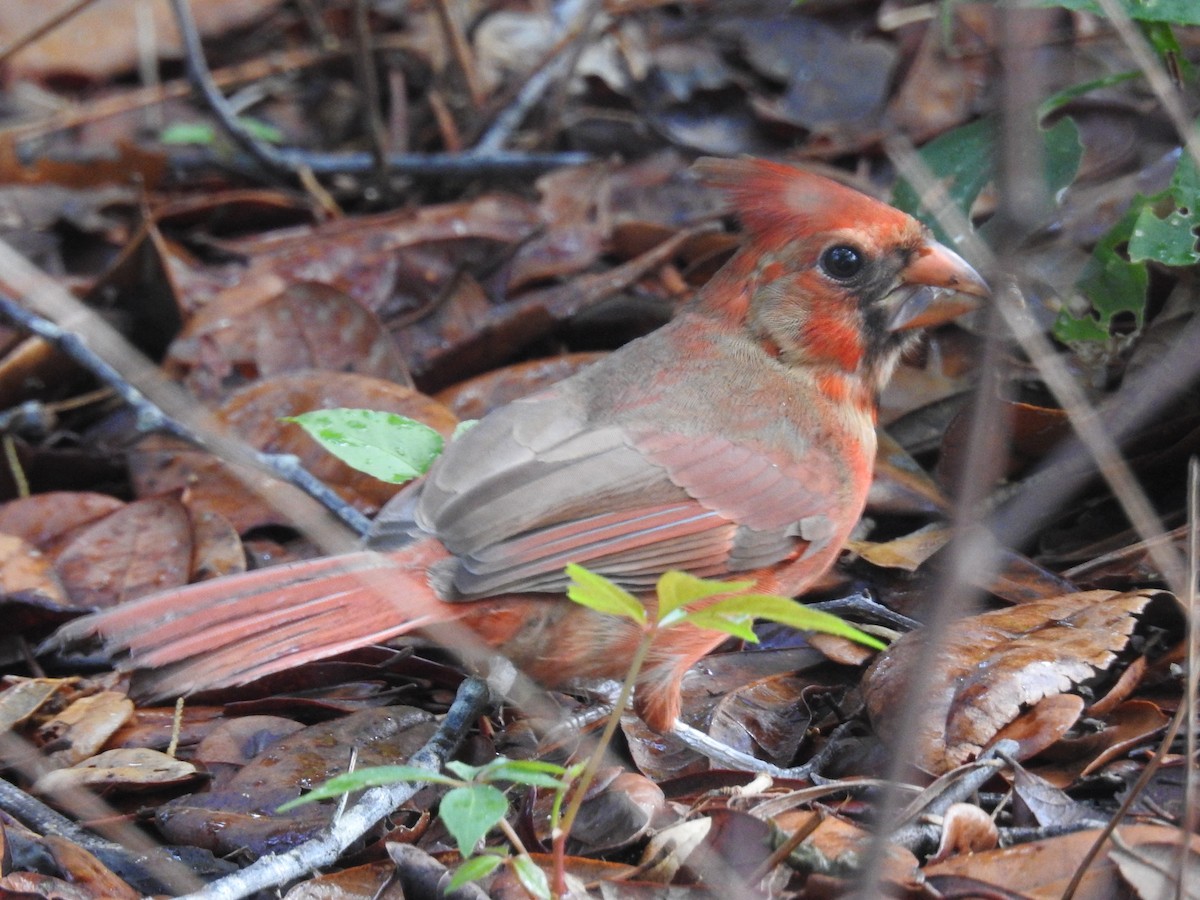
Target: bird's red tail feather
(237, 629)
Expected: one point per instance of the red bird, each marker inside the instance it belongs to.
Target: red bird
(735, 441)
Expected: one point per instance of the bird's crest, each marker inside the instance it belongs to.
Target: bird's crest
(778, 203)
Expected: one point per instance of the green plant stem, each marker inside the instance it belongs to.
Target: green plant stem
(512, 837)
(593, 763)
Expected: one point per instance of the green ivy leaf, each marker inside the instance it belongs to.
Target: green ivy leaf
(471, 812)
(676, 589)
(473, 869)
(962, 160)
(1171, 240)
(390, 447)
(373, 776)
(598, 593)
(1063, 151)
(1111, 283)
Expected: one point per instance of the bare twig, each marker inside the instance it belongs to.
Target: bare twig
(460, 50)
(167, 405)
(151, 418)
(368, 80)
(226, 117)
(557, 68)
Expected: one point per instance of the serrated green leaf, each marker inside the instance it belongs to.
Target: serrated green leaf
(532, 878)
(598, 593)
(373, 776)
(676, 589)
(473, 869)
(471, 812)
(788, 612)
(387, 446)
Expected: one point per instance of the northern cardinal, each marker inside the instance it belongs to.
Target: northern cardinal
(737, 440)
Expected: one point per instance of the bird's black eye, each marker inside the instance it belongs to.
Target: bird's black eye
(842, 262)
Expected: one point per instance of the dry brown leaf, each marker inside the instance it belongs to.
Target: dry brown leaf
(137, 768)
(86, 871)
(1042, 869)
(44, 519)
(83, 727)
(103, 39)
(24, 570)
(966, 829)
(242, 816)
(236, 340)
(141, 548)
(995, 664)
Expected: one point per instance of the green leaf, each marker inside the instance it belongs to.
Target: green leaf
(390, 447)
(598, 593)
(364, 778)
(962, 160)
(464, 771)
(471, 812)
(1062, 153)
(787, 612)
(532, 878)
(202, 134)
(1171, 240)
(473, 869)
(1060, 99)
(676, 589)
(714, 618)
(1111, 283)
(180, 134)
(531, 772)
(1178, 12)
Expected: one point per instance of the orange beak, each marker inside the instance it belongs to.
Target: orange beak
(945, 286)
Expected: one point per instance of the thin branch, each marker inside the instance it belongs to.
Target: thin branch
(166, 403)
(226, 117)
(150, 417)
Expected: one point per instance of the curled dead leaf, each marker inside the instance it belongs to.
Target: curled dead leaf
(993, 666)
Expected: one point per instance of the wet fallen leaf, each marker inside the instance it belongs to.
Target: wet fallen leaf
(141, 548)
(236, 340)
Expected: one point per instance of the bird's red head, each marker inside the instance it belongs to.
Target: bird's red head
(829, 277)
